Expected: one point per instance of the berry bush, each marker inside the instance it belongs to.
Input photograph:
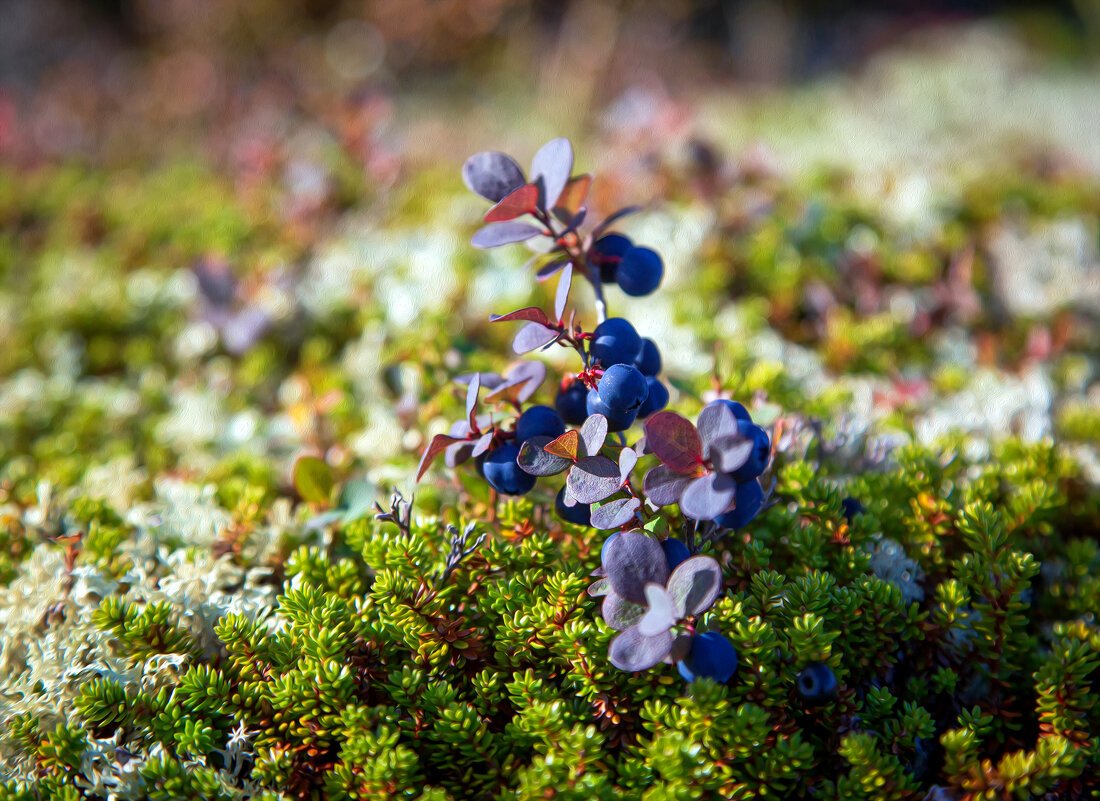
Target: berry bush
(615, 579)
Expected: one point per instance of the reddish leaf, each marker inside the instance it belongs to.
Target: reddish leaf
(675, 441)
(522, 201)
(532, 314)
(438, 444)
(573, 197)
(567, 446)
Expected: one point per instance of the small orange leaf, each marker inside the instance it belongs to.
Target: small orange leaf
(574, 194)
(567, 446)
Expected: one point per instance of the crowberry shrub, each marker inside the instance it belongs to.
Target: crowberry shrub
(654, 591)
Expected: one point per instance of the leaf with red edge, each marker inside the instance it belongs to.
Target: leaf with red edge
(532, 337)
(438, 444)
(593, 478)
(562, 296)
(458, 452)
(553, 164)
(614, 514)
(572, 197)
(522, 201)
(675, 441)
(494, 235)
(532, 314)
(694, 585)
(567, 446)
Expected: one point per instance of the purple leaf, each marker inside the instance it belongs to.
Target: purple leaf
(488, 380)
(614, 514)
(729, 453)
(521, 381)
(695, 585)
(661, 612)
(715, 422)
(534, 459)
(438, 444)
(708, 496)
(494, 235)
(562, 296)
(632, 560)
(620, 613)
(532, 337)
(593, 478)
(594, 432)
(574, 223)
(663, 487)
(628, 458)
(551, 268)
(482, 444)
(460, 429)
(613, 218)
(458, 452)
(633, 651)
(492, 174)
(553, 163)
(532, 314)
(675, 441)
(471, 399)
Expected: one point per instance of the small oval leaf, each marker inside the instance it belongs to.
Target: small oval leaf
(532, 337)
(492, 174)
(522, 201)
(633, 560)
(660, 614)
(695, 585)
(561, 298)
(675, 441)
(553, 163)
(614, 514)
(534, 459)
(313, 479)
(567, 446)
(620, 613)
(708, 496)
(633, 651)
(593, 478)
(494, 235)
(593, 433)
(663, 487)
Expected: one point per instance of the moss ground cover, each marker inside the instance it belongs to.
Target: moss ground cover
(209, 590)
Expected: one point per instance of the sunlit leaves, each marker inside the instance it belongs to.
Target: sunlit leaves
(492, 174)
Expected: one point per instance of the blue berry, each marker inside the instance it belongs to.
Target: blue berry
(657, 398)
(738, 409)
(579, 513)
(622, 387)
(816, 683)
(539, 421)
(750, 499)
(851, 508)
(503, 474)
(640, 271)
(615, 342)
(648, 359)
(712, 656)
(675, 552)
(607, 253)
(617, 419)
(570, 403)
(758, 459)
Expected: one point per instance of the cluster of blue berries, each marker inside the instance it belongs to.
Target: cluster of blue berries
(637, 270)
(628, 389)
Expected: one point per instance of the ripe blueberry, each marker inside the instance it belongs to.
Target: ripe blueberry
(622, 387)
(570, 403)
(712, 656)
(579, 513)
(640, 271)
(539, 421)
(675, 552)
(649, 358)
(615, 342)
(657, 398)
(503, 474)
(816, 683)
(758, 459)
(617, 419)
(750, 498)
(851, 508)
(606, 254)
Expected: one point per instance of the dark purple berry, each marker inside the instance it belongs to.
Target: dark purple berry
(761, 450)
(657, 398)
(675, 552)
(503, 474)
(570, 403)
(617, 419)
(851, 508)
(539, 421)
(623, 387)
(738, 409)
(579, 514)
(614, 342)
(640, 271)
(606, 254)
(649, 358)
(817, 684)
(750, 499)
(712, 656)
